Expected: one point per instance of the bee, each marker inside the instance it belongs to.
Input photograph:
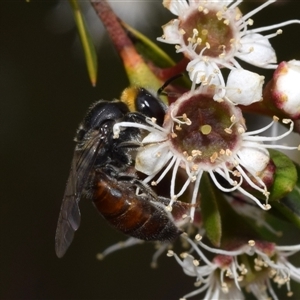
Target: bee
(102, 170)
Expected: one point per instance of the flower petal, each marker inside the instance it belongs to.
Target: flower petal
(254, 160)
(256, 50)
(171, 33)
(176, 7)
(152, 158)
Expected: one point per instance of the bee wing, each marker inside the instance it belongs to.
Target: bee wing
(69, 217)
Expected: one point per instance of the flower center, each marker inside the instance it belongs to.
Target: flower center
(207, 29)
(212, 130)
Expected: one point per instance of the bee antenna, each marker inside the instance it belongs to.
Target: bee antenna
(160, 91)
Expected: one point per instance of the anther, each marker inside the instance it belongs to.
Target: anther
(250, 22)
(184, 255)
(214, 157)
(219, 15)
(228, 130)
(226, 22)
(169, 208)
(200, 8)
(251, 243)
(196, 262)
(286, 121)
(198, 237)
(195, 31)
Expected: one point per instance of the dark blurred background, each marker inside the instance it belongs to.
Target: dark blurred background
(45, 92)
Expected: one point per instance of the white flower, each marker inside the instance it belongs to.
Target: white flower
(226, 275)
(284, 91)
(212, 34)
(202, 135)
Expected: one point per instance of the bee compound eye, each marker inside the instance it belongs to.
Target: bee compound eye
(150, 106)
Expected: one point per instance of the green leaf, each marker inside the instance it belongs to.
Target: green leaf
(86, 40)
(149, 50)
(210, 211)
(285, 176)
(223, 225)
(289, 206)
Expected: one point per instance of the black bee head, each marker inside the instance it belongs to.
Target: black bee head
(100, 113)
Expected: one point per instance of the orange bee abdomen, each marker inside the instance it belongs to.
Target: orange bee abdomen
(135, 215)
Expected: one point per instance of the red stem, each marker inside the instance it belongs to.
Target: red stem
(112, 24)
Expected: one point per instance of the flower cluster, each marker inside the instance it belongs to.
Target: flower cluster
(251, 266)
(204, 132)
(212, 34)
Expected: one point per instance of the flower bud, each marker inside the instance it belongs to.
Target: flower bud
(283, 90)
(244, 87)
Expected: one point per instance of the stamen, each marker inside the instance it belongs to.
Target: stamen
(235, 4)
(205, 11)
(270, 289)
(117, 126)
(200, 8)
(263, 206)
(166, 170)
(254, 11)
(118, 246)
(174, 173)
(265, 138)
(288, 250)
(250, 22)
(184, 187)
(199, 252)
(226, 22)
(162, 248)
(196, 292)
(255, 132)
(270, 27)
(226, 190)
(219, 15)
(195, 194)
(250, 182)
(251, 243)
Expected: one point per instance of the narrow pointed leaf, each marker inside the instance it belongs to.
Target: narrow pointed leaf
(86, 40)
(210, 211)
